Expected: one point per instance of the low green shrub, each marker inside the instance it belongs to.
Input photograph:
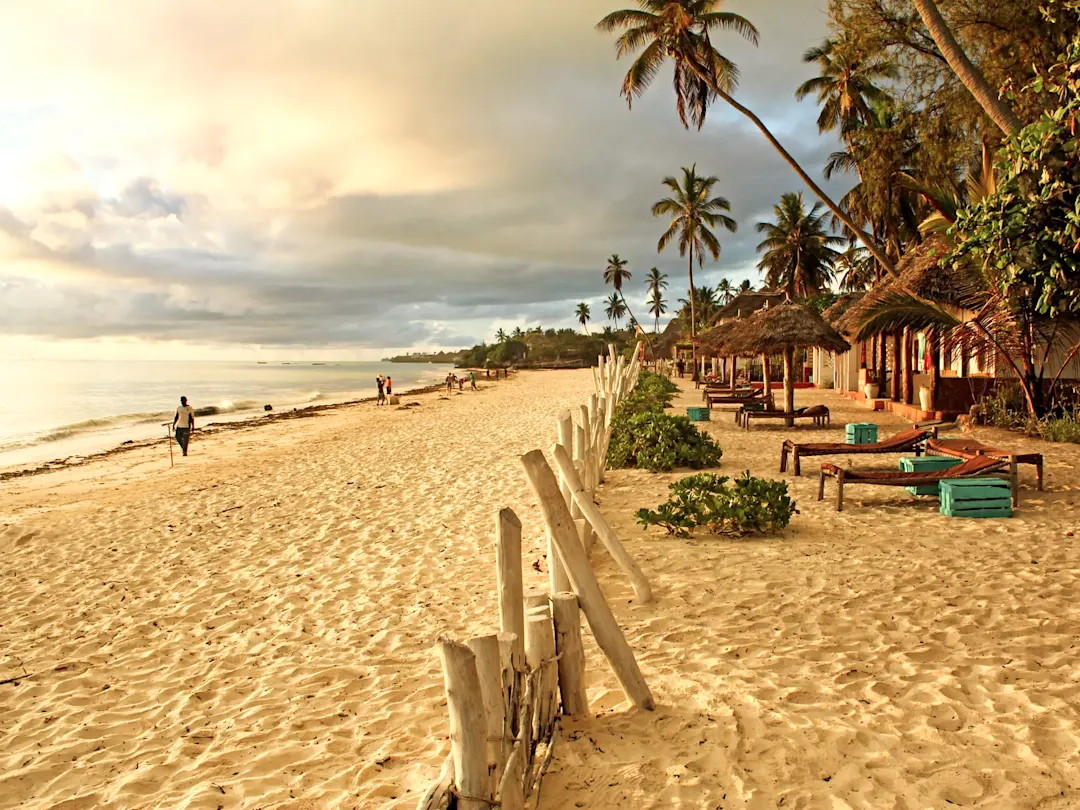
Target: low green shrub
(1005, 408)
(659, 442)
(1059, 429)
(652, 394)
(748, 506)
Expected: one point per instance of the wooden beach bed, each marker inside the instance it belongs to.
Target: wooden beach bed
(966, 449)
(980, 467)
(906, 441)
(819, 413)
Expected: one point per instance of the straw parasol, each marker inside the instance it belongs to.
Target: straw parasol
(781, 330)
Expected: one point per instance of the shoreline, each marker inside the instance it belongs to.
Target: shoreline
(16, 471)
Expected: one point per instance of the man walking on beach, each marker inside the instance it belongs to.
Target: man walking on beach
(183, 424)
(389, 388)
(379, 382)
(472, 379)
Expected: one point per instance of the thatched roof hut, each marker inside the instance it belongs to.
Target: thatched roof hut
(713, 340)
(674, 333)
(782, 328)
(747, 303)
(920, 273)
(842, 304)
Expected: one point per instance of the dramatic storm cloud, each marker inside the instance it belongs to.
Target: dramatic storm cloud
(366, 175)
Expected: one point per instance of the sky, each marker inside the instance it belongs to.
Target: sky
(315, 178)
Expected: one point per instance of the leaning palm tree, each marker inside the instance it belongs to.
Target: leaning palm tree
(616, 275)
(970, 76)
(657, 307)
(694, 213)
(583, 314)
(798, 254)
(615, 308)
(681, 30)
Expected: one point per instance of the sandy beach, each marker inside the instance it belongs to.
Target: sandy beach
(254, 627)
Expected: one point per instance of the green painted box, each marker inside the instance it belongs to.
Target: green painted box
(697, 414)
(976, 498)
(861, 432)
(926, 464)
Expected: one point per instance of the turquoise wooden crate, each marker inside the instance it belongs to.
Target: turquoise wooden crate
(861, 432)
(926, 464)
(976, 498)
(697, 414)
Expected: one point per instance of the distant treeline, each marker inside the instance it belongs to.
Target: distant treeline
(539, 348)
(422, 357)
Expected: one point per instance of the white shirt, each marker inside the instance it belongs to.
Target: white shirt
(184, 415)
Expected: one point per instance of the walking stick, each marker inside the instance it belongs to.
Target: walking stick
(168, 438)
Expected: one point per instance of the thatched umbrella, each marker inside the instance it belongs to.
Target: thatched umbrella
(781, 330)
(840, 307)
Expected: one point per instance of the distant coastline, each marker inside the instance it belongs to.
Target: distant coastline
(420, 357)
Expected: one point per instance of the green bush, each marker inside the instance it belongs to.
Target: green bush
(748, 506)
(659, 442)
(1059, 429)
(652, 394)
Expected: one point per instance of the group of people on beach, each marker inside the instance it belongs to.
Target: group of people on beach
(453, 379)
(386, 389)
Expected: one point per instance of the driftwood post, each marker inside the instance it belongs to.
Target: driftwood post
(540, 654)
(601, 527)
(468, 725)
(489, 670)
(602, 621)
(567, 616)
(508, 575)
(557, 578)
(536, 601)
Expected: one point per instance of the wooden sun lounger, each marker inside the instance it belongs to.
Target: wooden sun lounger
(906, 441)
(819, 413)
(738, 399)
(965, 449)
(981, 467)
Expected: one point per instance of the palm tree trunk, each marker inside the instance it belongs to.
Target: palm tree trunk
(693, 314)
(789, 384)
(644, 334)
(971, 77)
(863, 237)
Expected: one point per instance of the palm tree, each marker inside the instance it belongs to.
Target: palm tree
(681, 30)
(657, 307)
(518, 334)
(501, 336)
(693, 216)
(725, 291)
(845, 89)
(655, 282)
(583, 314)
(745, 286)
(615, 308)
(970, 76)
(616, 274)
(857, 267)
(798, 253)
(705, 304)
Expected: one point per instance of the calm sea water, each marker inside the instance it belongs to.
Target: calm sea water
(54, 409)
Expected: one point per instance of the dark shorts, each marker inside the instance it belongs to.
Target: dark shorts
(183, 435)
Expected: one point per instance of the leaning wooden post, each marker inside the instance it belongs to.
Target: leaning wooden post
(468, 725)
(605, 629)
(489, 669)
(540, 654)
(601, 527)
(585, 534)
(567, 616)
(508, 577)
(557, 578)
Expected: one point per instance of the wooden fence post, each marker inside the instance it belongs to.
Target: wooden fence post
(468, 725)
(605, 629)
(601, 527)
(536, 601)
(557, 578)
(489, 670)
(540, 654)
(508, 577)
(567, 617)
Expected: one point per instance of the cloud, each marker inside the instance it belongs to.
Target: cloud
(311, 173)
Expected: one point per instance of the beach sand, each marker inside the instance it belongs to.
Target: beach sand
(254, 628)
(883, 657)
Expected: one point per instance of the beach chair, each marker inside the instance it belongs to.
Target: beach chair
(980, 467)
(965, 449)
(739, 399)
(906, 441)
(724, 390)
(819, 413)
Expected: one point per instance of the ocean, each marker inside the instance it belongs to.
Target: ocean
(54, 409)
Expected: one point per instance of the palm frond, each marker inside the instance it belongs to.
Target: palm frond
(894, 311)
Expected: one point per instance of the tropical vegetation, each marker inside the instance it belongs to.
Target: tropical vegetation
(748, 505)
